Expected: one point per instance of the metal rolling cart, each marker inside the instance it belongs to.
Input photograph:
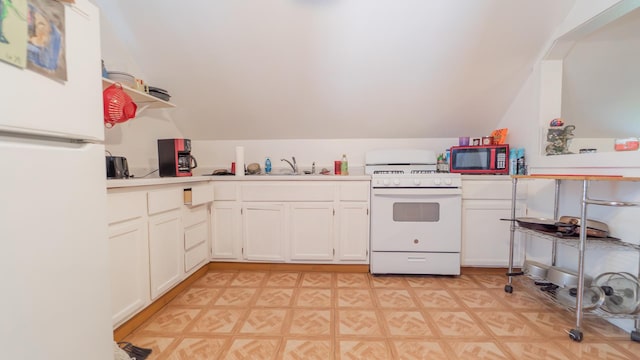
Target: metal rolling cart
(575, 333)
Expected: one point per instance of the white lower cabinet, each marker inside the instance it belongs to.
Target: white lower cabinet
(311, 231)
(226, 230)
(129, 268)
(485, 238)
(165, 252)
(353, 238)
(155, 241)
(128, 254)
(291, 221)
(264, 231)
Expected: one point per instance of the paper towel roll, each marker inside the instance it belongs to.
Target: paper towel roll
(239, 160)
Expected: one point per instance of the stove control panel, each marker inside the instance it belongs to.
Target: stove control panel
(445, 181)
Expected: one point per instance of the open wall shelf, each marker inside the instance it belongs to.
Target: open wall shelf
(142, 99)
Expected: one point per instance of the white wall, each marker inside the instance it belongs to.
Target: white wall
(135, 139)
(219, 154)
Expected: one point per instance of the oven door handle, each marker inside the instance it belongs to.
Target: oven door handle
(416, 191)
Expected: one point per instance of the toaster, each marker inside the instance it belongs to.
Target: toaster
(117, 167)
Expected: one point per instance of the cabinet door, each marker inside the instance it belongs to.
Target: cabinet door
(353, 240)
(311, 231)
(226, 230)
(129, 264)
(166, 251)
(485, 238)
(264, 231)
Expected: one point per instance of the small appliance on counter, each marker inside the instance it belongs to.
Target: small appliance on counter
(117, 167)
(484, 159)
(174, 157)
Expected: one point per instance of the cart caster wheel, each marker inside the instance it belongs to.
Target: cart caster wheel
(575, 335)
(508, 289)
(635, 336)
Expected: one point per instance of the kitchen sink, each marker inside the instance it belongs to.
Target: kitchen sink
(287, 173)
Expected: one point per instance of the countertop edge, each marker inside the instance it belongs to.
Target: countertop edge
(122, 183)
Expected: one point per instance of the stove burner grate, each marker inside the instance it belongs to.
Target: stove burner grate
(418, 172)
(388, 172)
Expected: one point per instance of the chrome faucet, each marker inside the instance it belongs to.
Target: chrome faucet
(293, 165)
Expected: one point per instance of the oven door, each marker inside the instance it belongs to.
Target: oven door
(416, 219)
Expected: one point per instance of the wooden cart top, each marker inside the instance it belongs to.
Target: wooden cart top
(577, 177)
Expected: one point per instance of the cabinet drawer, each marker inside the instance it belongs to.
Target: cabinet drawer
(415, 263)
(164, 200)
(354, 191)
(224, 191)
(194, 215)
(124, 206)
(201, 194)
(288, 192)
(195, 235)
(195, 256)
(494, 190)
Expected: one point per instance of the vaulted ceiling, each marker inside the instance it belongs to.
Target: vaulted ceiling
(300, 69)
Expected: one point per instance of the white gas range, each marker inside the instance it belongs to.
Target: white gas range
(415, 214)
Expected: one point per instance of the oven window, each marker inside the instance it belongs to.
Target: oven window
(422, 212)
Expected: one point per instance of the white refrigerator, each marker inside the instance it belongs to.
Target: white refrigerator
(55, 290)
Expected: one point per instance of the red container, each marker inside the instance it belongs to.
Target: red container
(337, 167)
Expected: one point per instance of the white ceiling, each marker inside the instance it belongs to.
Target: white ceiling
(302, 69)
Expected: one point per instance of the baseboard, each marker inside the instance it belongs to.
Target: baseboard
(358, 268)
(473, 270)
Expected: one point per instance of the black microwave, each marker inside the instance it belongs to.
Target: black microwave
(484, 159)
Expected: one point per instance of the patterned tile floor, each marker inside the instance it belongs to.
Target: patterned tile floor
(322, 315)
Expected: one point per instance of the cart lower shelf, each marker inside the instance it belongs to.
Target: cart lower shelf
(549, 297)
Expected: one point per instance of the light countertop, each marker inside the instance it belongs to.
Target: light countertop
(487, 177)
(120, 183)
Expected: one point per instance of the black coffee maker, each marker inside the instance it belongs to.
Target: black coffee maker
(174, 157)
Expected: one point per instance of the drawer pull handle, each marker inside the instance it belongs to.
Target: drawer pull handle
(416, 259)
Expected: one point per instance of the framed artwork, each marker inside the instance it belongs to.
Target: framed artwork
(13, 32)
(46, 33)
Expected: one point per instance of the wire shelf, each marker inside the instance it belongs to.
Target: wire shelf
(527, 282)
(592, 242)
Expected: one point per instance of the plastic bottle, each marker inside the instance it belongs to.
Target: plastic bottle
(521, 164)
(267, 166)
(344, 165)
(513, 161)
